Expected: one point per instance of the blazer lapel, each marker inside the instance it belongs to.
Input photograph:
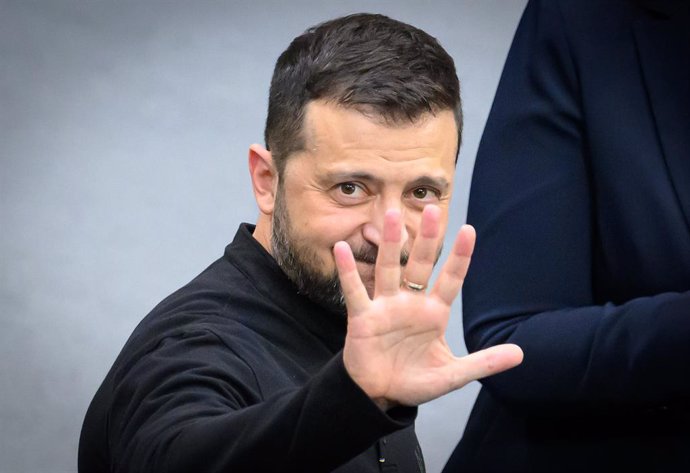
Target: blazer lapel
(663, 43)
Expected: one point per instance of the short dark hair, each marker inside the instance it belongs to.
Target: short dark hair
(369, 62)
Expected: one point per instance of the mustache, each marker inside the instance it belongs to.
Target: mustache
(368, 253)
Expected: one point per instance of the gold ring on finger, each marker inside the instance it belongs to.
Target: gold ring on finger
(413, 286)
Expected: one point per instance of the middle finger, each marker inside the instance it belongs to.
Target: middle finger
(388, 259)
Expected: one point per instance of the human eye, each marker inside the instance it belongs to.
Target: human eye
(349, 193)
(348, 188)
(424, 195)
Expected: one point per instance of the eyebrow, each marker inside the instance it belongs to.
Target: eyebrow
(440, 183)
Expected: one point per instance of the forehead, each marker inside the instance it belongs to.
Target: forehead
(343, 138)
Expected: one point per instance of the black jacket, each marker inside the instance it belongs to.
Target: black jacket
(236, 372)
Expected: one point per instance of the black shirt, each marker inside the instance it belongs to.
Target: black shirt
(235, 372)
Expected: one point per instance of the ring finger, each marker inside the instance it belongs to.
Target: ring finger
(424, 250)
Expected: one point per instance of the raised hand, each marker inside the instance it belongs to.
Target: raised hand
(395, 348)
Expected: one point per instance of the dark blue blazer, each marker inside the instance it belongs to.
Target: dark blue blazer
(581, 200)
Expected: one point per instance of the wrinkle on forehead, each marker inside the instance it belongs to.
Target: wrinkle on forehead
(360, 135)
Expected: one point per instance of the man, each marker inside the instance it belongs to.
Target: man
(299, 350)
(581, 200)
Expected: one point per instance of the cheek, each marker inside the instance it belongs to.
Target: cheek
(337, 226)
(327, 222)
(413, 220)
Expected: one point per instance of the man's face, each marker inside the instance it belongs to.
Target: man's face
(353, 169)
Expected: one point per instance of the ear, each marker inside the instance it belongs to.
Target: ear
(264, 177)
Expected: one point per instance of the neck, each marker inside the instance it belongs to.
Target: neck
(262, 232)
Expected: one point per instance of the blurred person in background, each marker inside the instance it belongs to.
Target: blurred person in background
(581, 201)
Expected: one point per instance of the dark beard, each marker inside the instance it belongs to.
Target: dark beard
(300, 262)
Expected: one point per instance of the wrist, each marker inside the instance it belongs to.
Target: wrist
(384, 404)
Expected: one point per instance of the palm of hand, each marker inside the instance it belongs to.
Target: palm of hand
(398, 347)
(395, 348)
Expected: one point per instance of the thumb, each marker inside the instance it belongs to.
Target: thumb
(485, 363)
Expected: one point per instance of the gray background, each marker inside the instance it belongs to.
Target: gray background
(124, 128)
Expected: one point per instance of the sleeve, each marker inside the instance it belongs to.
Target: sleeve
(530, 281)
(191, 404)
